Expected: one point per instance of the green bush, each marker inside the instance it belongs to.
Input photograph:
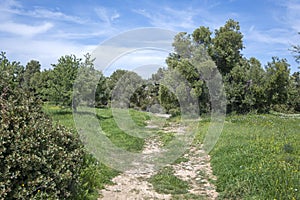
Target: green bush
(38, 159)
(174, 112)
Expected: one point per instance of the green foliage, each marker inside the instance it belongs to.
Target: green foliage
(227, 45)
(127, 90)
(277, 81)
(11, 73)
(93, 177)
(62, 79)
(31, 74)
(85, 87)
(202, 35)
(189, 67)
(42, 85)
(296, 50)
(38, 159)
(245, 87)
(168, 100)
(102, 91)
(257, 157)
(166, 182)
(294, 92)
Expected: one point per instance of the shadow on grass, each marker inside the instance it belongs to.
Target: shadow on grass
(99, 117)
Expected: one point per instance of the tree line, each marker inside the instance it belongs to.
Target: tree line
(249, 86)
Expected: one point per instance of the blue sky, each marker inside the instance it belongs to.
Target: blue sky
(45, 30)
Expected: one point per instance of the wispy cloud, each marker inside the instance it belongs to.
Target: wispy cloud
(169, 18)
(46, 29)
(107, 15)
(46, 51)
(272, 36)
(24, 29)
(54, 15)
(44, 34)
(186, 19)
(293, 14)
(12, 7)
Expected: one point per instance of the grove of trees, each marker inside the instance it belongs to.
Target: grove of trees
(249, 86)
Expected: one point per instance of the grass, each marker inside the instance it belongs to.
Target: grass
(62, 116)
(258, 157)
(101, 173)
(188, 196)
(117, 136)
(165, 138)
(108, 124)
(166, 182)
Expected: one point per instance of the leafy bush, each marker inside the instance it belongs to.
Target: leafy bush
(174, 112)
(38, 159)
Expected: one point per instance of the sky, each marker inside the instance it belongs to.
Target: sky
(46, 30)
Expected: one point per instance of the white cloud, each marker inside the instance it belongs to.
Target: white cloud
(293, 14)
(144, 62)
(54, 15)
(9, 8)
(46, 51)
(272, 36)
(24, 29)
(170, 18)
(30, 34)
(107, 15)
(61, 34)
(188, 18)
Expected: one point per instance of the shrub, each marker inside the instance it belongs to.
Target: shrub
(174, 112)
(38, 159)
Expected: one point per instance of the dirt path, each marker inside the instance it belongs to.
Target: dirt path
(133, 184)
(198, 173)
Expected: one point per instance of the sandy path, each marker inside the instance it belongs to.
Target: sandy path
(197, 172)
(133, 184)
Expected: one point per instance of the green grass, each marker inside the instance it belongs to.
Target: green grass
(62, 116)
(188, 196)
(99, 174)
(166, 182)
(165, 138)
(107, 122)
(117, 136)
(139, 117)
(258, 157)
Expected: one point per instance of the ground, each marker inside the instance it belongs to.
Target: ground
(194, 169)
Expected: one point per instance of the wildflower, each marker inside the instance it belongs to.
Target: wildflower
(23, 185)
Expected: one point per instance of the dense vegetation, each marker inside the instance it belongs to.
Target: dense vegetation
(40, 158)
(249, 85)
